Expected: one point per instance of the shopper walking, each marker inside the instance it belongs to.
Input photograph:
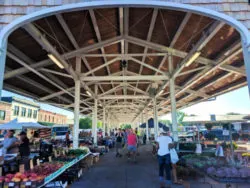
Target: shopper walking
(132, 145)
(10, 143)
(67, 139)
(119, 137)
(24, 150)
(162, 144)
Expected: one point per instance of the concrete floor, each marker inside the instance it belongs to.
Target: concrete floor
(112, 172)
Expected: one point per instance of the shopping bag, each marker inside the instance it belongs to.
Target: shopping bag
(174, 156)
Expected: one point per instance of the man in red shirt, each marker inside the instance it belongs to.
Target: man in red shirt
(132, 143)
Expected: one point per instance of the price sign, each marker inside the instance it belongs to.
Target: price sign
(225, 132)
(11, 184)
(28, 183)
(31, 164)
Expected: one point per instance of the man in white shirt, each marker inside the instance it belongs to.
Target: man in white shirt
(164, 160)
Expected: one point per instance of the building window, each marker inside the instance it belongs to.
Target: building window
(16, 110)
(29, 113)
(35, 114)
(2, 115)
(23, 113)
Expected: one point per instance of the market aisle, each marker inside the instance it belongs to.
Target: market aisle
(113, 172)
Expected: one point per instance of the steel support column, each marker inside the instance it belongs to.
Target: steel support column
(155, 118)
(173, 109)
(104, 122)
(147, 131)
(95, 117)
(76, 113)
(246, 54)
(3, 49)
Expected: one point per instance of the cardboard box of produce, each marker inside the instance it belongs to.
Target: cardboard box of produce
(89, 160)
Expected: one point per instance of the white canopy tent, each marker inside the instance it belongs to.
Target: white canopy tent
(14, 124)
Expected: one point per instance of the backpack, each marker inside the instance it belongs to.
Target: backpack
(119, 137)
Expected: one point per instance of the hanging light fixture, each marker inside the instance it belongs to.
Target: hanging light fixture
(89, 94)
(55, 60)
(192, 59)
(161, 92)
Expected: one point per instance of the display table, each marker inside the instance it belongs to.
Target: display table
(57, 173)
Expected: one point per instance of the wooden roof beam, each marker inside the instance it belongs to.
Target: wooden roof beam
(40, 38)
(23, 70)
(98, 36)
(234, 50)
(150, 31)
(206, 37)
(124, 97)
(106, 64)
(38, 85)
(176, 37)
(76, 46)
(121, 78)
(56, 94)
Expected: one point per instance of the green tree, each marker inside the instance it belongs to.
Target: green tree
(233, 113)
(99, 124)
(46, 123)
(165, 122)
(180, 117)
(126, 126)
(85, 123)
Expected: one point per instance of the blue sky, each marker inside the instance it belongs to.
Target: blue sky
(235, 101)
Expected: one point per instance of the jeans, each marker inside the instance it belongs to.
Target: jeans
(26, 161)
(165, 164)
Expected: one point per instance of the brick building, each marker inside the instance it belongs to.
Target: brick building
(5, 112)
(50, 117)
(21, 109)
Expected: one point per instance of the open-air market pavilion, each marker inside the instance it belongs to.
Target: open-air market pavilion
(124, 61)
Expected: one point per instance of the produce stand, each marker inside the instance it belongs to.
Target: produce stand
(57, 173)
(218, 169)
(68, 163)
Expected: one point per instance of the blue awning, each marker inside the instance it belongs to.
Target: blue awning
(151, 124)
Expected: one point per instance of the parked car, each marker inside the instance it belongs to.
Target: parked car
(59, 132)
(218, 133)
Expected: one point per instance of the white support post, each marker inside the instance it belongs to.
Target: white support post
(104, 122)
(3, 49)
(95, 117)
(173, 109)
(147, 131)
(76, 113)
(77, 104)
(246, 55)
(155, 119)
(93, 121)
(172, 98)
(142, 120)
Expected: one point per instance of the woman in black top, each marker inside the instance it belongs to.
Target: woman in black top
(24, 149)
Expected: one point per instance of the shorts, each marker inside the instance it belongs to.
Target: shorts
(131, 148)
